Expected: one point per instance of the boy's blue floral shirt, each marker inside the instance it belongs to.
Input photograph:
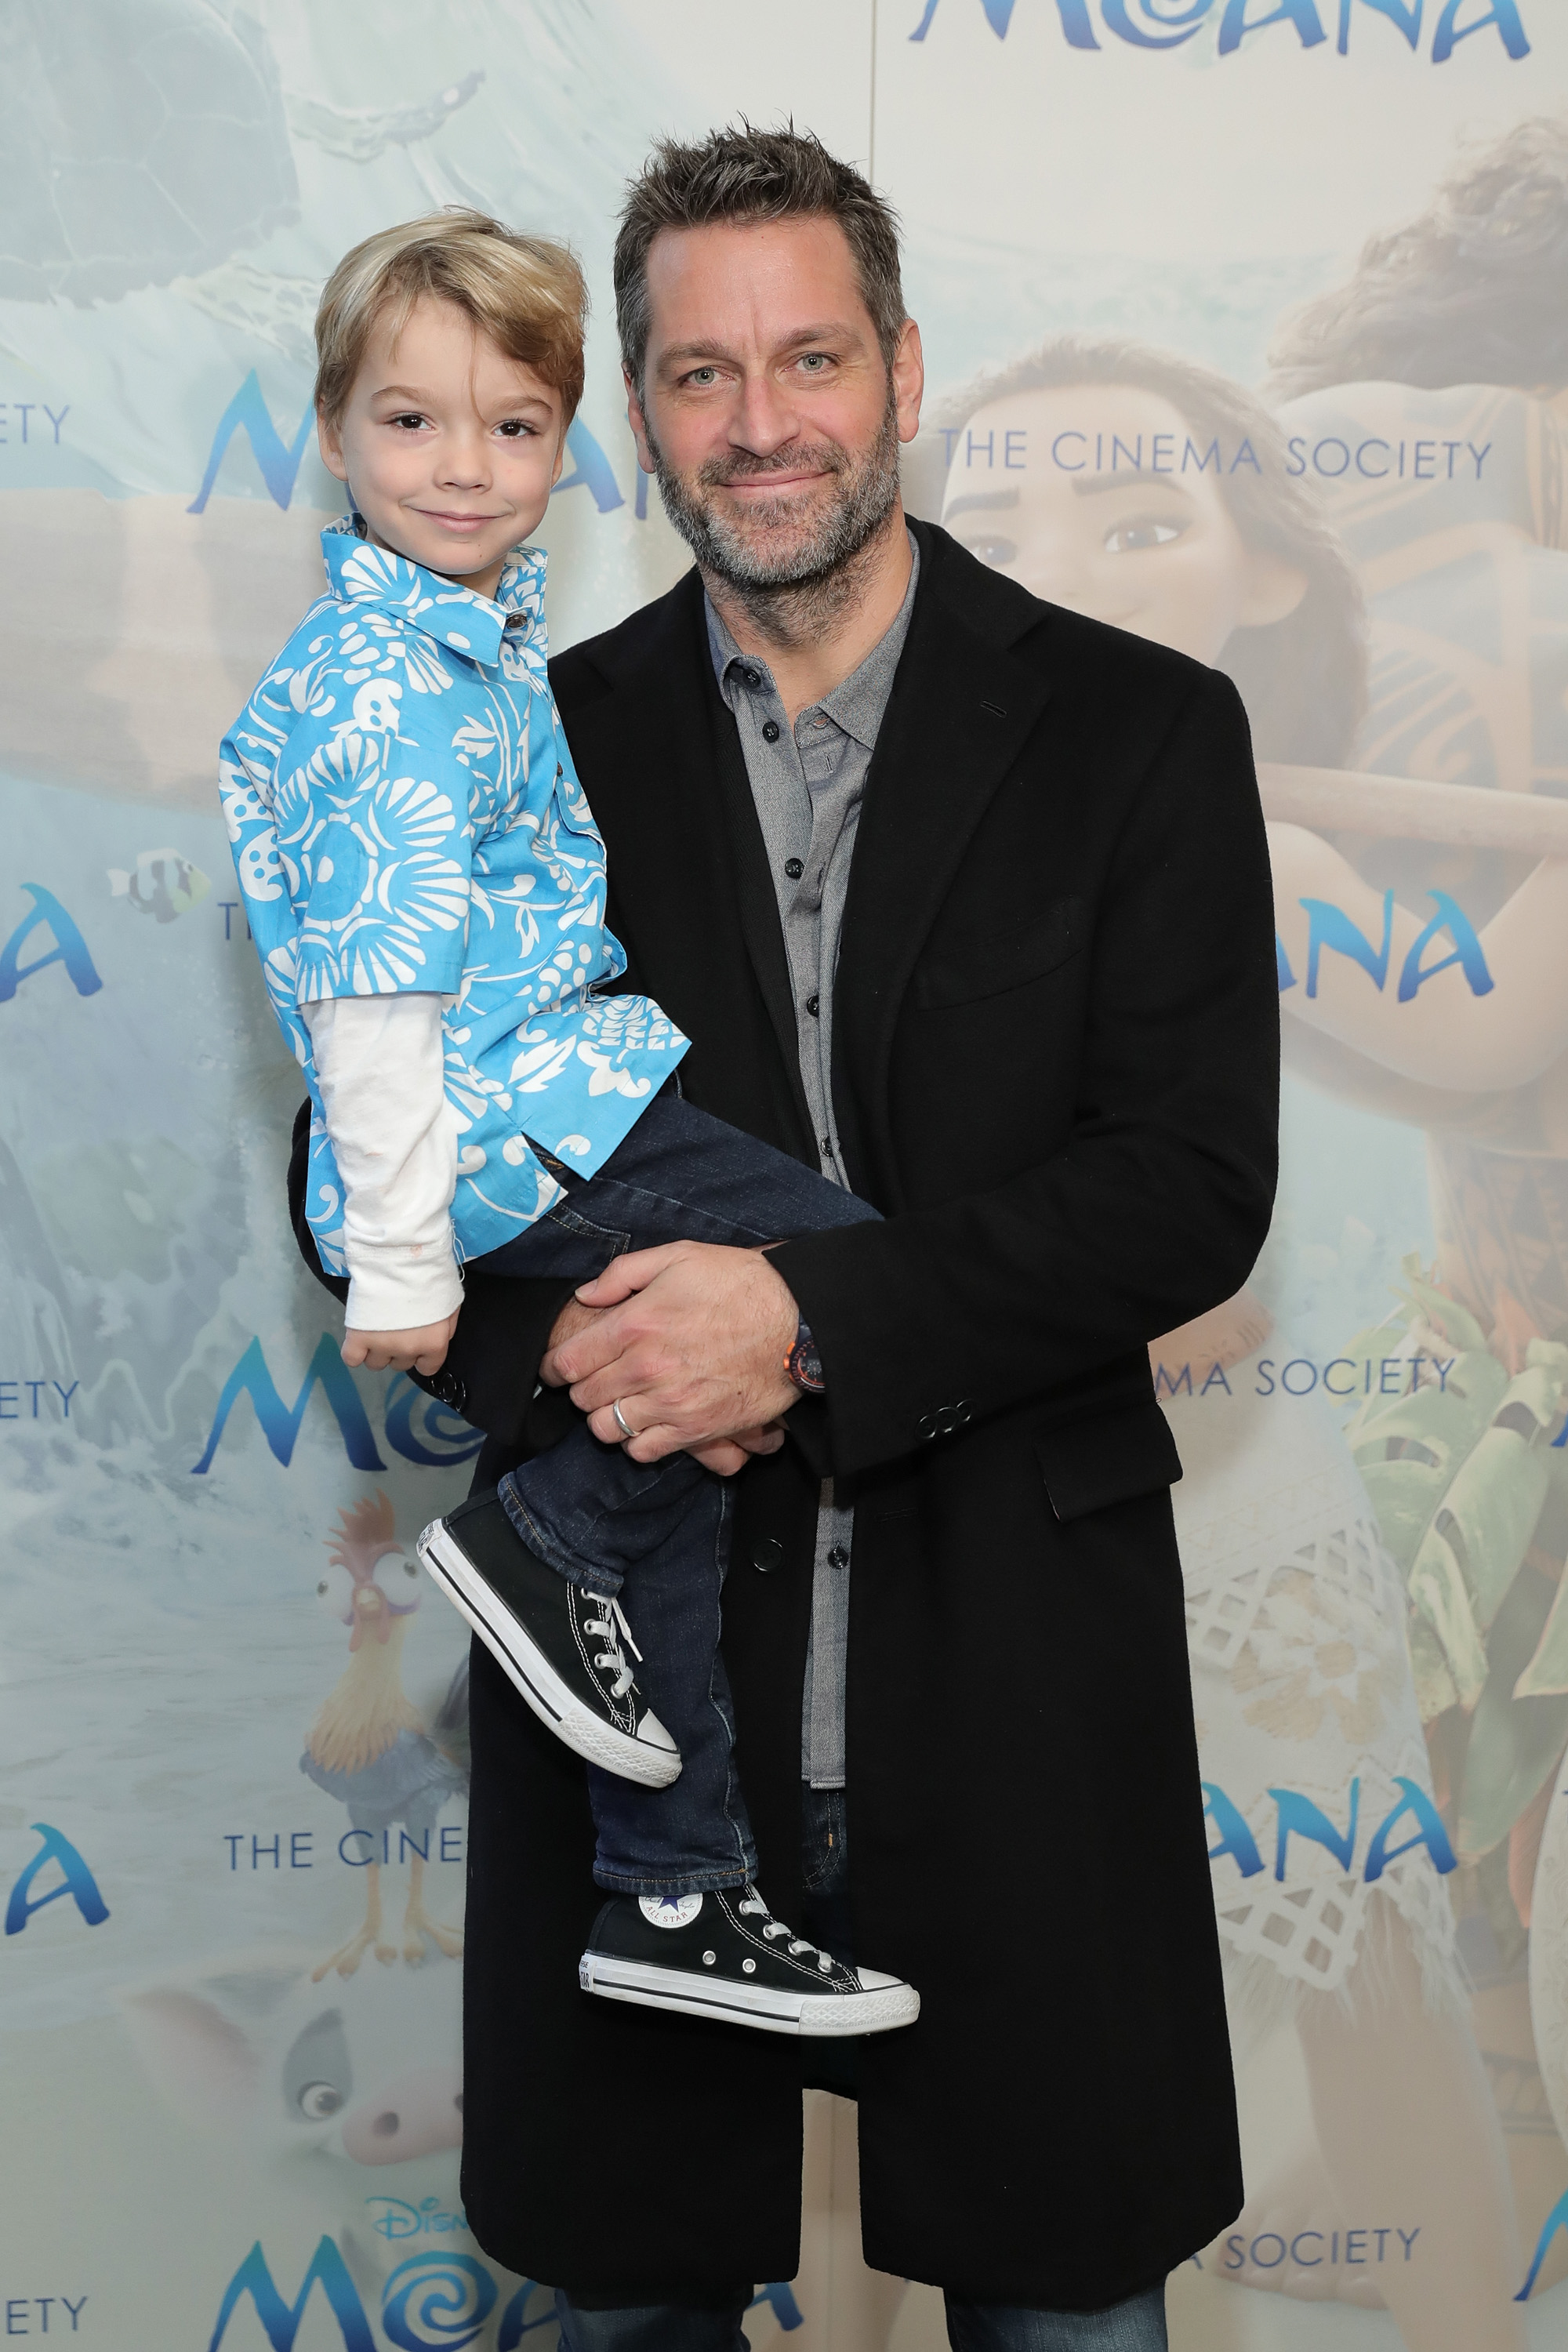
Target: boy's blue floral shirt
(404, 815)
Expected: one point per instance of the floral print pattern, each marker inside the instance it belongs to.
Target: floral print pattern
(405, 816)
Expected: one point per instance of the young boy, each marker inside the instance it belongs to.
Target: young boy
(425, 887)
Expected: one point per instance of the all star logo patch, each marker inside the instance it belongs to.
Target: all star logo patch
(669, 1910)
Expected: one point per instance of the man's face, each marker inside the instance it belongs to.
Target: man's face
(768, 413)
(1154, 552)
(448, 447)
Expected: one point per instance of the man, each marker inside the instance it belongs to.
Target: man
(902, 849)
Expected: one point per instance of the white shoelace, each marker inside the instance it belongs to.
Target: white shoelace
(614, 1627)
(755, 1905)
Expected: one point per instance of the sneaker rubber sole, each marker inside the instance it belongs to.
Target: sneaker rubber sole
(774, 2010)
(533, 1678)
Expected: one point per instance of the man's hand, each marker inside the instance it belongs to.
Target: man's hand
(421, 1349)
(691, 1343)
(725, 1455)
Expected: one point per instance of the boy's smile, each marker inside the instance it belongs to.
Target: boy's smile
(449, 447)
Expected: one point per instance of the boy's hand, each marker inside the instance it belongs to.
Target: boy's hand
(422, 1348)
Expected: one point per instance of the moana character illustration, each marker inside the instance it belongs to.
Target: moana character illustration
(1160, 498)
(1454, 325)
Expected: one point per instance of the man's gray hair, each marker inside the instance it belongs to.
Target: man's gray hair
(754, 176)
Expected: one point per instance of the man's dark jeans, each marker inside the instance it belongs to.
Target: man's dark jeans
(598, 1517)
(1135, 2325)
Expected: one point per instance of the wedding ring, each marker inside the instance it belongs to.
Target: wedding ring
(621, 1422)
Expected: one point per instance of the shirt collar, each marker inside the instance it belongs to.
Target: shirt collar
(858, 703)
(361, 574)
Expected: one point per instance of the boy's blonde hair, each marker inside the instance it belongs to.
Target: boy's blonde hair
(525, 292)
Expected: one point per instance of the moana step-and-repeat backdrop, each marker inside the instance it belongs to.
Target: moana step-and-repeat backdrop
(1247, 330)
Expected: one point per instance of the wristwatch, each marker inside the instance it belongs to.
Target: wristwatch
(802, 1363)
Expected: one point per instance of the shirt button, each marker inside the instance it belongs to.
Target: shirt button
(838, 1557)
(767, 1554)
(794, 868)
(770, 731)
(752, 677)
(811, 1004)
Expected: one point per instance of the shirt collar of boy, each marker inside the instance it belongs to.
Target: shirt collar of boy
(455, 616)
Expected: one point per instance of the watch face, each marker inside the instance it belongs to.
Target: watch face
(802, 1365)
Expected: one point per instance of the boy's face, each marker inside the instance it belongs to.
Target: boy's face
(450, 449)
(1092, 496)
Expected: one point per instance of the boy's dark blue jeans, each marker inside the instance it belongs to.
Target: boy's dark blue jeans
(598, 1517)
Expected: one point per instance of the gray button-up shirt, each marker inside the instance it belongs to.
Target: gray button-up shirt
(807, 782)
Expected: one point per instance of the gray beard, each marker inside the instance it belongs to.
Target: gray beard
(794, 597)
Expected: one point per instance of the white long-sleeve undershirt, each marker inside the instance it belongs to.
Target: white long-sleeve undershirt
(394, 1138)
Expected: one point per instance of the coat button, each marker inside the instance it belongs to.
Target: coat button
(794, 868)
(946, 1420)
(926, 1426)
(767, 1553)
(451, 1390)
(964, 1412)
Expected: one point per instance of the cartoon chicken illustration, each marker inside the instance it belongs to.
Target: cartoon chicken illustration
(369, 1747)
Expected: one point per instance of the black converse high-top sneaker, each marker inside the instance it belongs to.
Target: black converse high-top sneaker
(725, 1956)
(560, 1646)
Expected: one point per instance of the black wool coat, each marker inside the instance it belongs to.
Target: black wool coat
(1056, 1048)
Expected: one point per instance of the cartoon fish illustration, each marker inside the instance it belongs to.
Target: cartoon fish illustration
(163, 885)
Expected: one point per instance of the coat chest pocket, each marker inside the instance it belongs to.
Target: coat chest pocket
(1089, 1465)
(997, 957)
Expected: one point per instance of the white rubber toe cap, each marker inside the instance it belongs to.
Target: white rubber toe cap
(652, 1733)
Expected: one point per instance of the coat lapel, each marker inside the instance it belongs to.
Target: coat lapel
(682, 805)
(669, 786)
(961, 709)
